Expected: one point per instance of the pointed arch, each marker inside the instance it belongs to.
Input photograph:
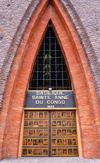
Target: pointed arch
(20, 76)
(50, 68)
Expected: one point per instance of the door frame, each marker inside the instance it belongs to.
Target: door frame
(49, 109)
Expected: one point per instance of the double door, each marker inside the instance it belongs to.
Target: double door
(50, 133)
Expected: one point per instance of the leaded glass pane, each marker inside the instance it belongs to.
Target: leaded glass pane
(50, 69)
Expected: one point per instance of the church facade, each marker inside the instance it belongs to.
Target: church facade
(50, 87)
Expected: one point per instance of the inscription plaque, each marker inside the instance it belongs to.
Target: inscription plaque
(50, 99)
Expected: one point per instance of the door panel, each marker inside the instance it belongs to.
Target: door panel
(63, 133)
(36, 132)
(50, 133)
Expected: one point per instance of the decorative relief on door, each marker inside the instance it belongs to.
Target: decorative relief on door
(63, 133)
(50, 133)
(36, 132)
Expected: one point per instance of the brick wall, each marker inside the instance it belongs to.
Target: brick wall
(22, 59)
(85, 16)
(15, 16)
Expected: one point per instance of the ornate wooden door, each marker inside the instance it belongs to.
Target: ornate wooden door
(63, 133)
(50, 133)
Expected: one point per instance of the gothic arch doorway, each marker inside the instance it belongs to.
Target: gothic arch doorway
(50, 132)
(21, 73)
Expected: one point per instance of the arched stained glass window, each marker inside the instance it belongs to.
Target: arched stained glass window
(50, 69)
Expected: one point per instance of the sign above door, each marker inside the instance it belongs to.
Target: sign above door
(50, 99)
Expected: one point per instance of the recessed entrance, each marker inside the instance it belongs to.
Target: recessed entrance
(50, 133)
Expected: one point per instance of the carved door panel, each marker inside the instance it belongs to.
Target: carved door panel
(50, 133)
(63, 133)
(36, 133)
